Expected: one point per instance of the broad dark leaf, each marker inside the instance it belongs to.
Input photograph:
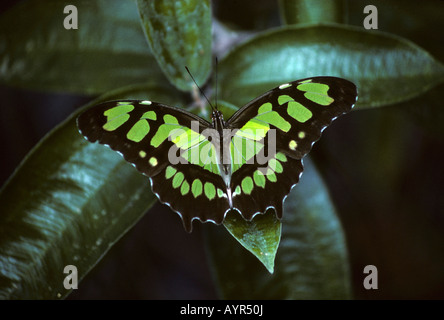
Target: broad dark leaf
(386, 69)
(107, 51)
(67, 204)
(179, 33)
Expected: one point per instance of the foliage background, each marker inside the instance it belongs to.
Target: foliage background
(388, 195)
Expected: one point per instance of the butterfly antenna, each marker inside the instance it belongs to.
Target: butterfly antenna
(201, 91)
(216, 83)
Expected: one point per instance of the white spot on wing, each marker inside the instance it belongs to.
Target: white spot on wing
(284, 86)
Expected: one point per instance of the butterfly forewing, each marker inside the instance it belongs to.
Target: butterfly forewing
(299, 114)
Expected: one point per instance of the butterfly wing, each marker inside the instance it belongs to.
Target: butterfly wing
(281, 125)
(162, 142)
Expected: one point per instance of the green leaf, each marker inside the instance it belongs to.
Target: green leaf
(409, 20)
(260, 236)
(67, 204)
(386, 69)
(311, 262)
(107, 51)
(312, 11)
(179, 33)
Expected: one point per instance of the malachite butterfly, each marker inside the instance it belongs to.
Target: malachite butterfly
(248, 163)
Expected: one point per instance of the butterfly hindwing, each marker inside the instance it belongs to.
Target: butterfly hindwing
(192, 192)
(258, 188)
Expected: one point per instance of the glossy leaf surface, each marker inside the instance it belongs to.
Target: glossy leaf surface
(107, 51)
(179, 33)
(67, 204)
(386, 69)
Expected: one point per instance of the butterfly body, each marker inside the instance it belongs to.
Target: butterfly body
(220, 142)
(247, 163)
